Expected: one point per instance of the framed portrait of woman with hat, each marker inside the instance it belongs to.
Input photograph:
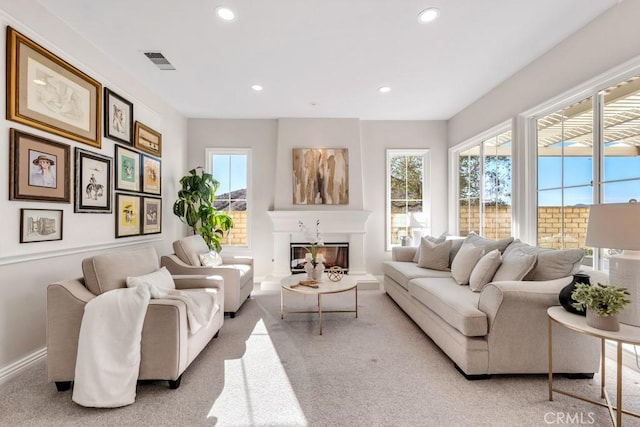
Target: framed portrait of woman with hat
(39, 168)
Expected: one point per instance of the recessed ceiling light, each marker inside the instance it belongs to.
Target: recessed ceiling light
(257, 88)
(384, 89)
(428, 15)
(225, 13)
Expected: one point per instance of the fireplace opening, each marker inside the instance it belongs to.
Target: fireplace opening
(335, 254)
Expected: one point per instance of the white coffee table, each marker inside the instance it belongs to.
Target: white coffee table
(325, 286)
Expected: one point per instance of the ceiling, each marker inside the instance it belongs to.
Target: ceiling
(325, 58)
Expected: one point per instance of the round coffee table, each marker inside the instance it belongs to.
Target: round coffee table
(292, 284)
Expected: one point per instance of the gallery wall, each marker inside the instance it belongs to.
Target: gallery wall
(27, 268)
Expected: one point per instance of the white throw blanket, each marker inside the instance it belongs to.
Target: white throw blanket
(108, 360)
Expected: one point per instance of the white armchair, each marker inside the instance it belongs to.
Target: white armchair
(237, 271)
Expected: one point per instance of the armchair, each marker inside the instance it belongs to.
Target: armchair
(167, 347)
(236, 271)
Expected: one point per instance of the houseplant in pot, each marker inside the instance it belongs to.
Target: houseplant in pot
(602, 302)
(195, 207)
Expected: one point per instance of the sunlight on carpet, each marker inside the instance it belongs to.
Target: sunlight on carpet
(257, 390)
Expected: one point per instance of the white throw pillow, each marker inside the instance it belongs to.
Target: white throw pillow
(432, 239)
(515, 265)
(434, 255)
(462, 265)
(210, 259)
(484, 270)
(158, 282)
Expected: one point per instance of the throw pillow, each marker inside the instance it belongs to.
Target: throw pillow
(464, 262)
(488, 244)
(434, 255)
(555, 264)
(158, 282)
(210, 259)
(515, 265)
(484, 270)
(432, 239)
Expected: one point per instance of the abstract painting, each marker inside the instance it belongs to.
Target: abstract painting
(320, 176)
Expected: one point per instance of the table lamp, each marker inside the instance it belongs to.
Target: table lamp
(417, 223)
(617, 226)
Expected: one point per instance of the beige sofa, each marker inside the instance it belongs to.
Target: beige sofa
(167, 346)
(503, 329)
(237, 271)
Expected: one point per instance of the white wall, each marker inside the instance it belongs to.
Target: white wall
(377, 137)
(26, 269)
(610, 40)
(272, 141)
(261, 137)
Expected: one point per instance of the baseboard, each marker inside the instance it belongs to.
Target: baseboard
(17, 367)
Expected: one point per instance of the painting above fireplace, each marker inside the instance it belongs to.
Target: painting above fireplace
(335, 254)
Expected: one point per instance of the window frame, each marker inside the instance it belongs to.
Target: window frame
(426, 189)
(209, 153)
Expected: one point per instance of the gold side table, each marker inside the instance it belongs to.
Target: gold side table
(626, 335)
(325, 286)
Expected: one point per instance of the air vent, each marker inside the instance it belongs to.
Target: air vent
(159, 60)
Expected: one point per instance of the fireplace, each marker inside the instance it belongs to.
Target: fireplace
(335, 254)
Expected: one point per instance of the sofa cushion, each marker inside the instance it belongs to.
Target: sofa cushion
(516, 264)
(484, 270)
(109, 271)
(188, 249)
(456, 244)
(432, 239)
(403, 272)
(456, 305)
(464, 262)
(434, 255)
(488, 244)
(550, 263)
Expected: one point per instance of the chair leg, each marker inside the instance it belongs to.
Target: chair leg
(63, 385)
(175, 384)
(216, 335)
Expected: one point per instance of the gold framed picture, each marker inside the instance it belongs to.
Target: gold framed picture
(147, 139)
(151, 174)
(47, 93)
(39, 169)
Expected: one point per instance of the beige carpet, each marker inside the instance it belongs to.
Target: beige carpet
(377, 370)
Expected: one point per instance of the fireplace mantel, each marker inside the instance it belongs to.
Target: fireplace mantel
(335, 225)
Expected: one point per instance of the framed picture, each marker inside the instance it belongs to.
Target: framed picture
(148, 140)
(127, 169)
(127, 215)
(39, 169)
(118, 117)
(45, 92)
(40, 225)
(320, 176)
(151, 174)
(151, 215)
(93, 182)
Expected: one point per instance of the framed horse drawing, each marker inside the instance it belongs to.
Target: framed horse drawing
(93, 182)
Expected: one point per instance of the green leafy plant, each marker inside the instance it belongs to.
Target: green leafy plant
(195, 207)
(603, 300)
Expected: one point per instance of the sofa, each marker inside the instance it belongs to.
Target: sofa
(500, 327)
(167, 347)
(192, 256)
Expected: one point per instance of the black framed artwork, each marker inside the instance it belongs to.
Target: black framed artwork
(93, 188)
(118, 117)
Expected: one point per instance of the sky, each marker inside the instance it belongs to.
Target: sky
(231, 171)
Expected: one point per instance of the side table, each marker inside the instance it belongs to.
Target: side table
(626, 335)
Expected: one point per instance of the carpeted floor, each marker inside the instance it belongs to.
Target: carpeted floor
(377, 370)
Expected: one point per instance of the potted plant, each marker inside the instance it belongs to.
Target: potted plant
(602, 303)
(195, 207)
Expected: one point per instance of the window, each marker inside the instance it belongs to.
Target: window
(578, 166)
(484, 187)
(230, 167)
(407, 205)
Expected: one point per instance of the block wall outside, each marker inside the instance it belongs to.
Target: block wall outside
(238, 234)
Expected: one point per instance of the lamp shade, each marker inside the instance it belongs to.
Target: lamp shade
(614, 226)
